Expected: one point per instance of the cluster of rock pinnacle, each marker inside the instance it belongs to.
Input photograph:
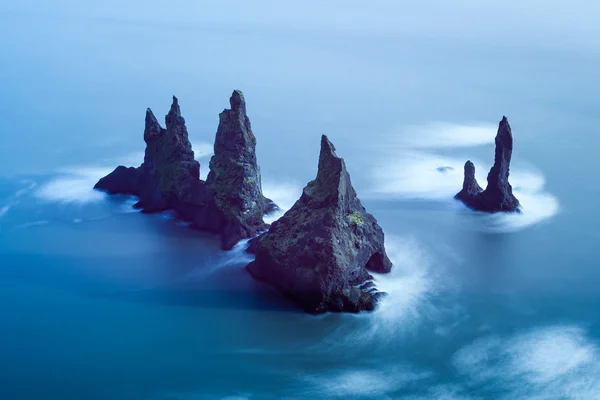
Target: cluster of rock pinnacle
(320, 252)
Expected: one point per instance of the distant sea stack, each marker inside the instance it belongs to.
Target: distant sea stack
(498, 194)
(229, 203)
(321, 251)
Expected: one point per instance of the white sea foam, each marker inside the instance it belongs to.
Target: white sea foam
(412, 290)
(408, 285)
(14, 198)
(4, 209)
(34, 223)
(442, 392)
(370, 383)
(557, 362)
(284, 194)
(30, 185)
(413, 174)
(73, 185)
(410, 171)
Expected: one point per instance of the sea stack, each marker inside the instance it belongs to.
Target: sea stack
(230, 203)
(234, 177)
(498, 195)
(321, 251)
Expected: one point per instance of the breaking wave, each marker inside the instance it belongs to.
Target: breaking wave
(73, 185)
(556, 362)
(283, 194)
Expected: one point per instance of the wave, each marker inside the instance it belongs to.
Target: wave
(359, 383)
(34, 223)
(284, 194)
(73, 185)
(4, 209)
(415, 293)
(14, 198)
(76, 184)
(556, 362)
(408, 285)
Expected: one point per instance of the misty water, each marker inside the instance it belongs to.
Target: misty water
(98, 301)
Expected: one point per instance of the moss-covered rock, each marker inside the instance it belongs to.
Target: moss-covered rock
(319, 253)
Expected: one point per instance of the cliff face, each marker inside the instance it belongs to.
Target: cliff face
(498, 195)
(319, 253)
(229, 203)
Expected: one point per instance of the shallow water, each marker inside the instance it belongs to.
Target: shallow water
(98, 301)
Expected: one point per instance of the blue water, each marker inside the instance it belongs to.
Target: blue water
(98, 301)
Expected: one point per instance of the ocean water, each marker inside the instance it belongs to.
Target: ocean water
(98, 301)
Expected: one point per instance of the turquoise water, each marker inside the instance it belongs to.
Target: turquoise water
(98, 301)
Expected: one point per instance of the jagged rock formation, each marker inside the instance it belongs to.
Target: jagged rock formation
(498, 194)
(230, 203)
(470, 186)
(319, 253)
(234, 177)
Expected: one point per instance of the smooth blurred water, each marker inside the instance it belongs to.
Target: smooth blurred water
(98, 301)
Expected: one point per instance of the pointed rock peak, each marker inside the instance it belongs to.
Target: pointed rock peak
(321, 251)
(470, 184)
(152, 127)
(504, 135)
(174, 118)
(237, 101)
(327, 155)
(151, 119)
(330, 165)
(175, 108)
(469, 169)
(327, 148)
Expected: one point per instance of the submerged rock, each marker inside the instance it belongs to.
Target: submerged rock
(444, 169)
(498, 194)
(319, 253)
(229, 203)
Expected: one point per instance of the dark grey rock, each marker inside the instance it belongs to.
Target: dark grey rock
(229, 203)
(470, 186)
(498, 195)
(234, 178)
(321, 251)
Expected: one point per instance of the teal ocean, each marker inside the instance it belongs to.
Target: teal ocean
(98, 301)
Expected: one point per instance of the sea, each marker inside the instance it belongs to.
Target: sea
(101, 302)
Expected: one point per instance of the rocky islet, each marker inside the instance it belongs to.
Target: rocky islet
(498, 195)
(230, 202)
(320, 252)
